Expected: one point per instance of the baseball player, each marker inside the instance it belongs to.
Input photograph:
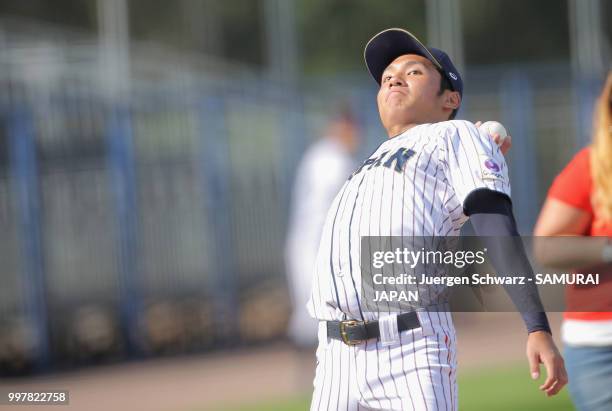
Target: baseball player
(320, 174)
(426, 179)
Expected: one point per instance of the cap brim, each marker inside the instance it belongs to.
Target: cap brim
(388, 45)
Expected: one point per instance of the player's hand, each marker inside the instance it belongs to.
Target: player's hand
(541, 349)
(505, 147)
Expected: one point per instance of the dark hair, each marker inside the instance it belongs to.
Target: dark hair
(446, 85)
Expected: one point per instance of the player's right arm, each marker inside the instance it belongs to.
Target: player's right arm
(479, 177)
(492, 218)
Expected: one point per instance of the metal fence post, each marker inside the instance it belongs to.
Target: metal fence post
(518, 115)
(121, 166)
(25, 183)
(214, 164)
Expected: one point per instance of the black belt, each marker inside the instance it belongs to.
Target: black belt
(353, 332)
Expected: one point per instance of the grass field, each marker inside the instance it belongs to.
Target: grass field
(497, 389)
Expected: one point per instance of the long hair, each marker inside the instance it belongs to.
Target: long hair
(601, 153)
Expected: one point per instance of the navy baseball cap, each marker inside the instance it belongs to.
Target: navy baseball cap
(389, 44)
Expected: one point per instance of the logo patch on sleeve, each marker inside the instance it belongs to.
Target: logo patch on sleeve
(490, 169)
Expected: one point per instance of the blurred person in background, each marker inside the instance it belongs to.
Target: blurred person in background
(320, 174)
(579, 203)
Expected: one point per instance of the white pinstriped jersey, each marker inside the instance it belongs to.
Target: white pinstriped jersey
(414, 184)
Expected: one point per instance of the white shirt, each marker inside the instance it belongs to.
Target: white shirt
(587, 333)
(321, 173)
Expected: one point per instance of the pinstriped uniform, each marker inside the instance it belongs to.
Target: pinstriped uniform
(413, 185)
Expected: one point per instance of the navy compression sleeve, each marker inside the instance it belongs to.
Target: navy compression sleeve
(491, 216)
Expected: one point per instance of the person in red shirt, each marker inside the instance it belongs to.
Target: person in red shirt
(579, 203)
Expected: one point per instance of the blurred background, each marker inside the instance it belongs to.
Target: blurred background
(147, 154)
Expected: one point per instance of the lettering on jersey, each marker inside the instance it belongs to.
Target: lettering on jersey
(379, 160)
(372, 162)
(365, 163)
(397, 159)
(491, 169)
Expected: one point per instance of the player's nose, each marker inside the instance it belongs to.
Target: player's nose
(396, 81)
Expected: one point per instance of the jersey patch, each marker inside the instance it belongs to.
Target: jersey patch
(490, 169)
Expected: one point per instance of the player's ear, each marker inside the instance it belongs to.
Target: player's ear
(452, 100)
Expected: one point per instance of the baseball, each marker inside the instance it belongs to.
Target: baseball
(494, 127)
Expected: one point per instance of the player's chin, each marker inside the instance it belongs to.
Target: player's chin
(395, 96)
(395, 105)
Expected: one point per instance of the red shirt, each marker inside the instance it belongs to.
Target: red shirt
(574, 186)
